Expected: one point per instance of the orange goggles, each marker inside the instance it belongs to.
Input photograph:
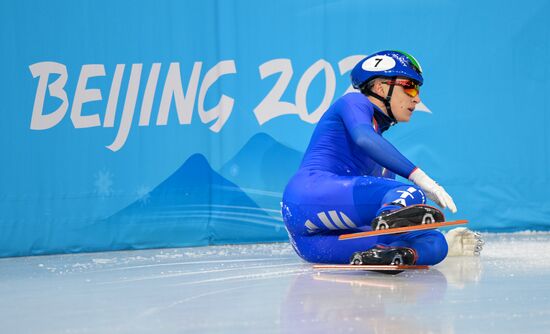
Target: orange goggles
(410, 87)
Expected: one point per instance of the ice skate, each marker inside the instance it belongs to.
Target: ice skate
(383, 255)
(408, 216)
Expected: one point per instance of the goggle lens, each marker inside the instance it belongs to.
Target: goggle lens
(410, 87)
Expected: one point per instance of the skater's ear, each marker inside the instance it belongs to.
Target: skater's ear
(377, 87)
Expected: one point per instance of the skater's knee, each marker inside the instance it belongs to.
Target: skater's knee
(435, 248)
(313, 255)
(405, 195)
(322, 249)
(441, 248)
(421, 196)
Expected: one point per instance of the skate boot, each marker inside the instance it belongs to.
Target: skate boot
(408, 216)
(383, 255)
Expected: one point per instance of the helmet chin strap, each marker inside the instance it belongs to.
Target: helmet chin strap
(386, 101)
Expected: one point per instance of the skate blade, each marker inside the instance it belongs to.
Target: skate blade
(401, 229)
(363, 267)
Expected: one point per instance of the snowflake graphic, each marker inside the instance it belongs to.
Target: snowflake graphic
(103, 183)
(234, 170)
(143, 193)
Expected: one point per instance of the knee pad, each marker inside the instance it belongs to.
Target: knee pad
(404, 195)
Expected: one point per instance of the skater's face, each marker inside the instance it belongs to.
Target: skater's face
(405, 97)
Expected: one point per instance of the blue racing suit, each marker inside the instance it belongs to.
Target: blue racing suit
(346, 178)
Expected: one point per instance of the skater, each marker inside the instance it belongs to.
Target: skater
(347, 177)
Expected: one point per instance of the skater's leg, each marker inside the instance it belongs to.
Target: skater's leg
(374, 195)
(325, 202)
(317, 208)
(401, 196)
(430, 246)
(326, 248)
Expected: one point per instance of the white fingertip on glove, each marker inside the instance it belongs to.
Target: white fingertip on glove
(434, 191)
(464, 242)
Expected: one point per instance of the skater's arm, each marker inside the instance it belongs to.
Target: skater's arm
(357, 114)
(381, 150)
(385, 154)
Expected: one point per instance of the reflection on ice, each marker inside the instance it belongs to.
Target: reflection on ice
(266, 288)
(462, 270)
(341, 301)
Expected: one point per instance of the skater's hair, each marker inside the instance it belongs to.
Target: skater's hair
(366, 88)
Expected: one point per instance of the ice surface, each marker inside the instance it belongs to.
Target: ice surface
(266, 288)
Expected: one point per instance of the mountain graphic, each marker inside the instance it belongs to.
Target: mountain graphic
(262, 169)
(197, 206)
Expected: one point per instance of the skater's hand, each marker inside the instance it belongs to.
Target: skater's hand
(433, 190)
(464, 242)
